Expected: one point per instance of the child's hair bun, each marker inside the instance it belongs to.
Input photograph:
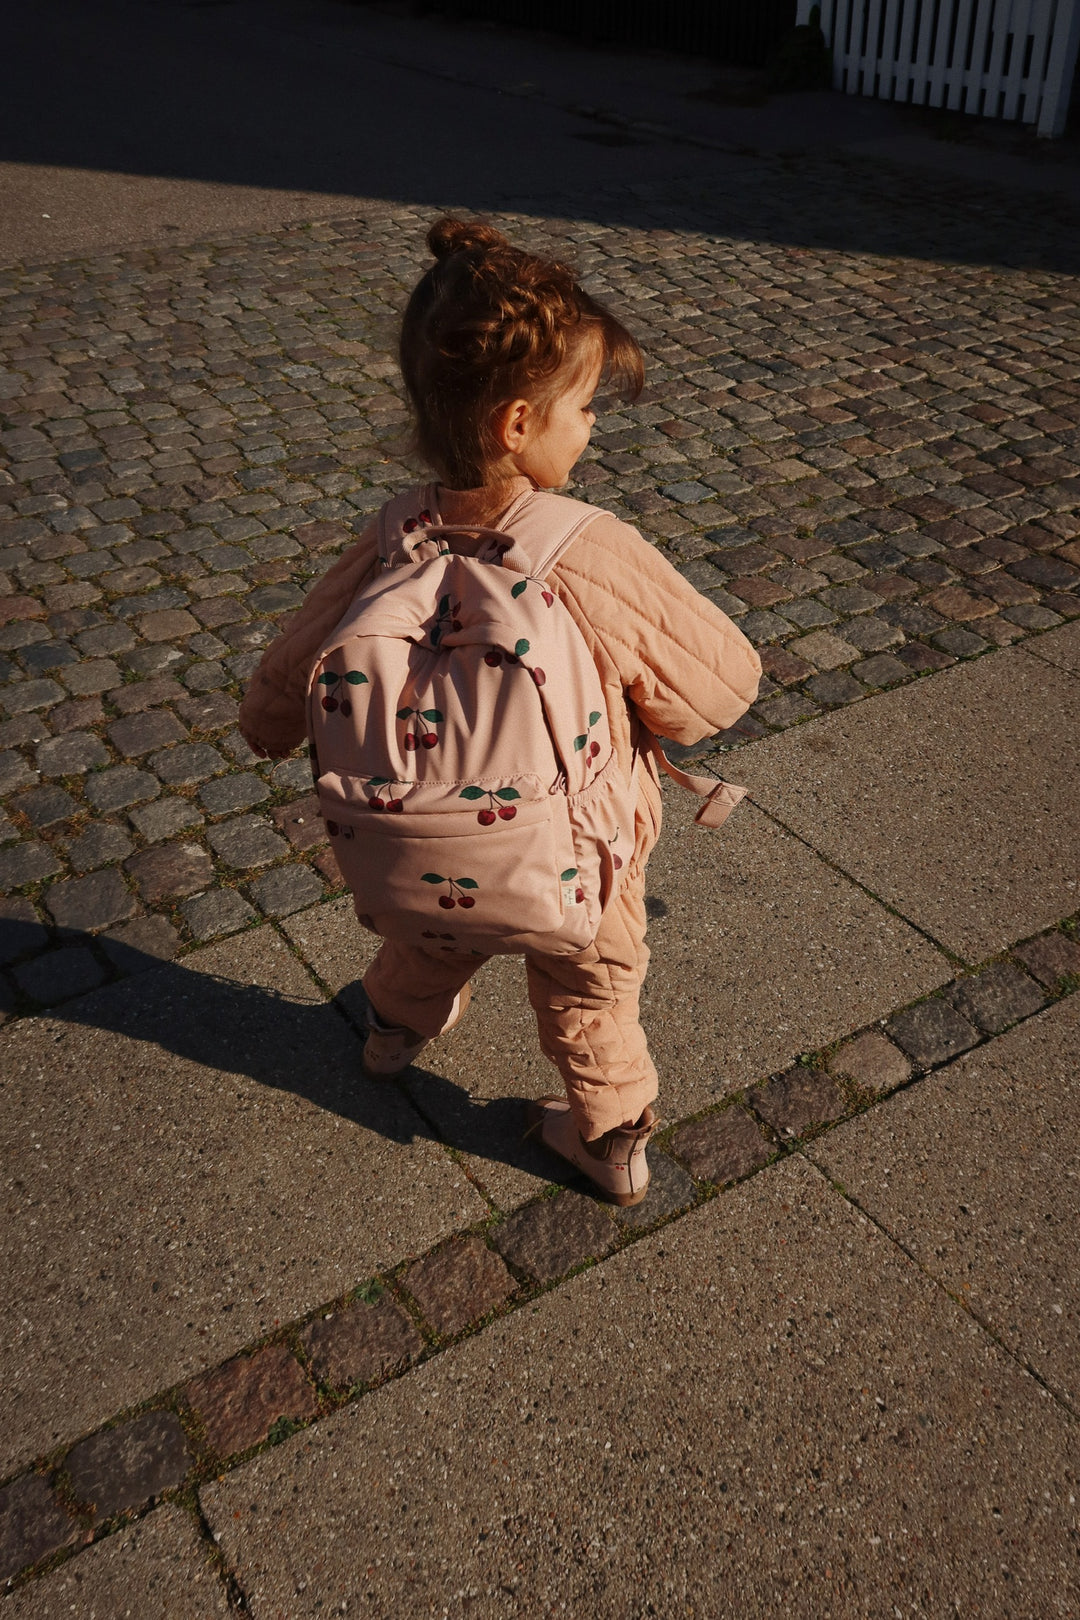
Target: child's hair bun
(451, 235)
(488, 323)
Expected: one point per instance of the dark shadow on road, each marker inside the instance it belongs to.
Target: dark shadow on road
(308, 1047)
(291, 98)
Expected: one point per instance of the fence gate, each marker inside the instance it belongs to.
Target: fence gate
(1009, 59)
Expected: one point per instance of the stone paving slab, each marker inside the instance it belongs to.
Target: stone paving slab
(337, 950)
(731, 913)
(765, 1409)
(192, 1160)
(955, 801)
(159, 1568)
(762, 953)
(1060, 646)
(975, 1174)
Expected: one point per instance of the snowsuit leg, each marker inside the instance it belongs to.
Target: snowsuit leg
(415, 987)
(587, 1005)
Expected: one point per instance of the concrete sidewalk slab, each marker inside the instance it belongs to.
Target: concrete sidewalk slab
(763, 952)
(975, 1173)
(764, 1409)
(159, 1569)
(336, 949)
(1060, 646)
(192, 1161)
(954, 800)
(731, 914)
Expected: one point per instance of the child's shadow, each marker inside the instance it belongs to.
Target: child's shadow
(485, 1128)
(308, 1047)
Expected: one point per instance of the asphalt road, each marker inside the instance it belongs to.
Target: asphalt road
(125, 123)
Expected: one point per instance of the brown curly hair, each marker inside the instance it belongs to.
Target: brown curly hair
(488, 324)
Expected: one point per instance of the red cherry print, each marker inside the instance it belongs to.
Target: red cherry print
(579, 895)
(539, 677)
(330, 703)
(409, 525)
(485, 817)
(455, 624)
(594, 750)
(429, 739)
(616, 861)
(396, 805)
(548, 598)
(467, 901)
(494, 658)
(410, 742)
(512, 658)
(507, 812)
(346, 706)
(332, 828)
(425, 516)
(376, 804)
(447, 902)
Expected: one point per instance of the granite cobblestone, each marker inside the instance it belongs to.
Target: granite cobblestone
(362, 1342)
(871, 463)
(119, 1469)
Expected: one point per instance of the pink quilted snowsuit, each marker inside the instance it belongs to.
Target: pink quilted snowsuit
(667, 657)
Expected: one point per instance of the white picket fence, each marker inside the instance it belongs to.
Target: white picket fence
(1010, 59)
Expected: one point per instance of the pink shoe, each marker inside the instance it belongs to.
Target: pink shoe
(614, 1163)
(389, 1050)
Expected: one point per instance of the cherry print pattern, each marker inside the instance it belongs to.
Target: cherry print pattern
(376, 801)
(421, 738)
(333, 699)
(584, 741)
(504, 811)
(495, 656)
(455, 895)
(446, 619)
(523, 585)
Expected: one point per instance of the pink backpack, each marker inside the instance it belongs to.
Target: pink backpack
(460, 741)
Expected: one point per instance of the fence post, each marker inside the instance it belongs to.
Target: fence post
(1054, 107)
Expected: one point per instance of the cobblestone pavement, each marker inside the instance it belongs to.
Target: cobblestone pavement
(871, 461)
(185, 1439)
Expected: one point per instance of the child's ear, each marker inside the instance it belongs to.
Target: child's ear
(510, 425)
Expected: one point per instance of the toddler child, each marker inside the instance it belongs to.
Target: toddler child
(501, 354)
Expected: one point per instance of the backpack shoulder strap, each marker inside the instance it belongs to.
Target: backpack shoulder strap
(544, 526)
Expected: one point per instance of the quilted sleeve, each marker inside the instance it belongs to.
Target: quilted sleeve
(273, 715)
(685, 667)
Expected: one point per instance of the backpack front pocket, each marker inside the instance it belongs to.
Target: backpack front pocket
(493, 877)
